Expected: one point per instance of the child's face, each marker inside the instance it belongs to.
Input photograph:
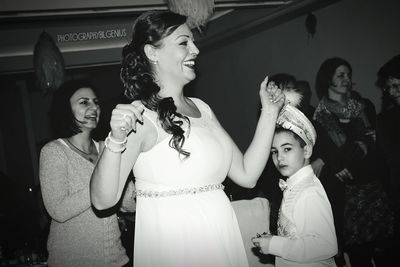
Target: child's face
(287, 154)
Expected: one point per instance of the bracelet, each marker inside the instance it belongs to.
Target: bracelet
(123, 142)
(119, 150)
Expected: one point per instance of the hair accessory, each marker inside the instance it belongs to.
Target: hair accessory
(293, 119)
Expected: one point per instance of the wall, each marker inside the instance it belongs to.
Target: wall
(362, 31)
(17, 134)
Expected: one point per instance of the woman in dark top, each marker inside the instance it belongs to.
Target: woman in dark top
(388, 132)
(350, 121)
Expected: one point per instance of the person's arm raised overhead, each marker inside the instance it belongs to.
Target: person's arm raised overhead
(246, 168)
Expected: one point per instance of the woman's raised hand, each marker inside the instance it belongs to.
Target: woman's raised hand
(124, 118)
(272, 98)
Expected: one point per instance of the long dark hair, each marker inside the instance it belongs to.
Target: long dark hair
(326, 72)
(63, 121)
(137, 72)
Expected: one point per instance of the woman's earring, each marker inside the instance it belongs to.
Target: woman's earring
(154, 62)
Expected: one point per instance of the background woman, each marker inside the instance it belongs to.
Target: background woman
(350, 120)
(77, 236)
(388, 132)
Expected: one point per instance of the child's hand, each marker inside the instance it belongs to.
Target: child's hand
(262, 242)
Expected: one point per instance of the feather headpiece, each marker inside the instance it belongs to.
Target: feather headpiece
(293, 119)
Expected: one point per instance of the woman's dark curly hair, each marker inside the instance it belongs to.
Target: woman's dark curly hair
(63, 121)
(137, 72)
(326, 72)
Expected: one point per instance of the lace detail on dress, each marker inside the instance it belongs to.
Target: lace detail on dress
(178, 192)
(201, 122)
(206, 120)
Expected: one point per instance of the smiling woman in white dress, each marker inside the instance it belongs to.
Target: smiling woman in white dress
(179, 153)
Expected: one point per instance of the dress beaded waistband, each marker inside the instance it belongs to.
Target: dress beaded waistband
(177, 192)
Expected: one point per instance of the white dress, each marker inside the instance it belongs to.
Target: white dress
(192, 223)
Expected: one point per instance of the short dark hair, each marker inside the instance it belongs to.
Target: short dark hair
(62, 120)
(282, 79)
(388, 70)
(280, 129)
(326, 72)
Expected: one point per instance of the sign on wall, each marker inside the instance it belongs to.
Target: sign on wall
(82, 42)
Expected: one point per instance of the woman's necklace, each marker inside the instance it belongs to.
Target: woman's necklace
(86, 155)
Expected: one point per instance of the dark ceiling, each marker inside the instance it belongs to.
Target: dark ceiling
(22, 21)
